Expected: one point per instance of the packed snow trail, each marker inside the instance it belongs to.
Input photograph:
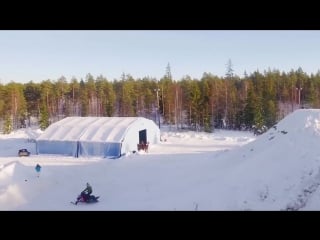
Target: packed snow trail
(306, 194)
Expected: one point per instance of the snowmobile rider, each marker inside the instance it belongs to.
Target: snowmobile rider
(85, 194)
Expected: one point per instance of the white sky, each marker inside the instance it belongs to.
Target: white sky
(225, 170)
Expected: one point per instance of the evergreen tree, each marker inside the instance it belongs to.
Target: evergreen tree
(110, 99)
(8, 125)
(250, 109)
(44, 117)
(32, 95)
(83, 99)
(73, 97)
(258, 120)
(205, 106)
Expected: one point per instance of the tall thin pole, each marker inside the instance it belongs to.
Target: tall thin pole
(158, 105)
(299, 96)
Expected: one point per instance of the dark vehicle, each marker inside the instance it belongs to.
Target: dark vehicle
(23, 152)
(91, 199)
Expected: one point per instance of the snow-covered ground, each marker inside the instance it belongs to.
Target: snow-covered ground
(224, 170)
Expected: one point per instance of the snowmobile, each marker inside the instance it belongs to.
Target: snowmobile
(91, 199)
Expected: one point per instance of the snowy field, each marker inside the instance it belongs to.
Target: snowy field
(224, 170)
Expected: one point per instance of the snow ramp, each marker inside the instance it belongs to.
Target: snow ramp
(276, 170)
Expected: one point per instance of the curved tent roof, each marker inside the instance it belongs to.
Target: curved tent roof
(97, 129)
(96, 135)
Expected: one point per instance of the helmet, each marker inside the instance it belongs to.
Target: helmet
(88, 185)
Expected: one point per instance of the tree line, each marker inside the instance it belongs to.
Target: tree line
(254, 102)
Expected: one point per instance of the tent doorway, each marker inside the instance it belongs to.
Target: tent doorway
(143, 136)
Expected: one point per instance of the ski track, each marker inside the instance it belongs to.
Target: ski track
(305, 195)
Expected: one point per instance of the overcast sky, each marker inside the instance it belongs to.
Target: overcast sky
(41, 55)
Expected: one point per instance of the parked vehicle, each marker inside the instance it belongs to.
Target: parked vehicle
(23, 152)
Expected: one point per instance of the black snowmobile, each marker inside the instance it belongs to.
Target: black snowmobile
(82, 198)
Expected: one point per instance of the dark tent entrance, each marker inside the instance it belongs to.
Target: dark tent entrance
(143, 136)
(143, 144)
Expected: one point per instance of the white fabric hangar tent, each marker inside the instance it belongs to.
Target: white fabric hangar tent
(97, 136)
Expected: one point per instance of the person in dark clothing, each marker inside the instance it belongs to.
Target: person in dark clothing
(85, 194)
